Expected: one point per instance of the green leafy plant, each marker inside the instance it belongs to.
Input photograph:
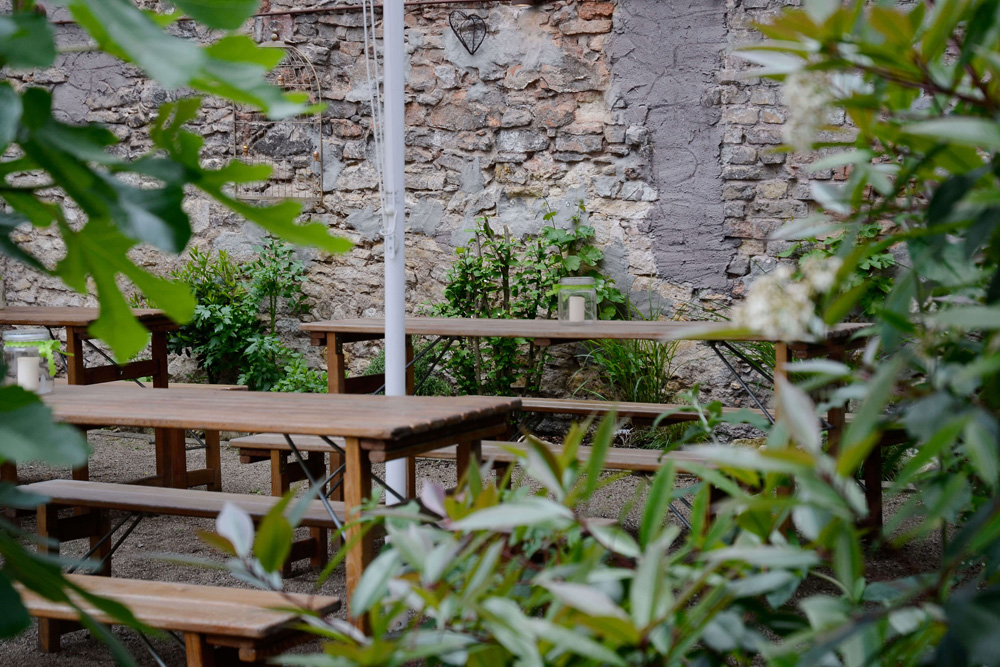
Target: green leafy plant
(872, 276)
(498, 276)
(297, 376)
(226, 334)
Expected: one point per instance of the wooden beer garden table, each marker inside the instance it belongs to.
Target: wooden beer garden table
(374, 428)
(76, 320)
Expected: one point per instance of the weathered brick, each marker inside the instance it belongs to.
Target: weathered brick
(734, 209)
(782, 208)
(516, 118)
(771, 156)
(773, 115)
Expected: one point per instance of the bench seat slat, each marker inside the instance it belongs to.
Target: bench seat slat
(209, 610)
(618, 458)
(160, 500)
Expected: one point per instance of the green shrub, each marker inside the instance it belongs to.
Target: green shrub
(232, 334)
(501, 277)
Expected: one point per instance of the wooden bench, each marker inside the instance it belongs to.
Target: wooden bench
(219, 624)
(637, 412)
(274, 448)
(99, 497)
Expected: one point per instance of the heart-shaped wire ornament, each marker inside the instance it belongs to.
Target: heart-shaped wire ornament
(469, 28)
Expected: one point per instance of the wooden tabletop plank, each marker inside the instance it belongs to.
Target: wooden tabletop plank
(77, 316)
(378, 418)
(209, 610)
(552, 330)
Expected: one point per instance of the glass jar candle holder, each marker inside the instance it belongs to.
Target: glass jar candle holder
(577, 300)
(28, 355)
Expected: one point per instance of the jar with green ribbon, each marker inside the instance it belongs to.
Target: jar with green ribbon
(30, 357)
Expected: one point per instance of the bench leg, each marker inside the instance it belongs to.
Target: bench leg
(213, 460)
(357, 489)
(49, 634)
(467, 453)
(322, 554)
(336, 460)
(199, 652)
(279, 472)
(872, 470)
(102, 526)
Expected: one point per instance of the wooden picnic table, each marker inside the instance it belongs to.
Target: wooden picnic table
(374, 428)
(335, 333)
(76, 320)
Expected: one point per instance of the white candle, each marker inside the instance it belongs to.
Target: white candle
(28, 375)
(576, 308)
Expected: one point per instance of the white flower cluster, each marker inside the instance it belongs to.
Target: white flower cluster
(807, 95)
(778, 307)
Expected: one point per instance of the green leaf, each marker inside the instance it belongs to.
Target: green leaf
(654, 515)
(766, 556)
(531, 511)
(15, 618)
(98, 250)
(969, 317)
(587, 599)
(599, 450)
(222, 14)
(974, 620)
(981, 439)
(964, 130)
(274, 537)
(10, 114)
(28, 432)
(26, 41)
(799, 412)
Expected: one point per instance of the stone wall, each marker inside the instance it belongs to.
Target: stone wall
(637, 107)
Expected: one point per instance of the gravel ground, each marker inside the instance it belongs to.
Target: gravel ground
(119, 457)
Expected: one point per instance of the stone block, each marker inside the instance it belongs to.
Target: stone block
(636, 135)
(740, 115)
(772, 156)
(580, 27)
(772, 189)
(356, 150)
(345, 128)
(596, 10)
(782, 208)
(732, 135)
(764, 96)
(511, 158)
(447, 76)
(568, 156)
(585, 127)
(556, 113)
(516, 118)
(737, 191)
(742, 173)
(456, 117)
(584, 143)
(621, 150)
(758, 135)
(732, 94)
(607, 186)
(521, 141)
(739, 265)
(734, 209)
(739, 154)
(614, 134)
(773, 115)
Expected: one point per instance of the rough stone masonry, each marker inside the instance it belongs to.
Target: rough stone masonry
(637, 107)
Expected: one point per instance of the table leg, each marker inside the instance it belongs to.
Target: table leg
(336, 365)
(76, 372)
(213, 460)
(467, 453)
(171, 458)
(357, 489)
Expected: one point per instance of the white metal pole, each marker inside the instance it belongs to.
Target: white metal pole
(395, 264)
